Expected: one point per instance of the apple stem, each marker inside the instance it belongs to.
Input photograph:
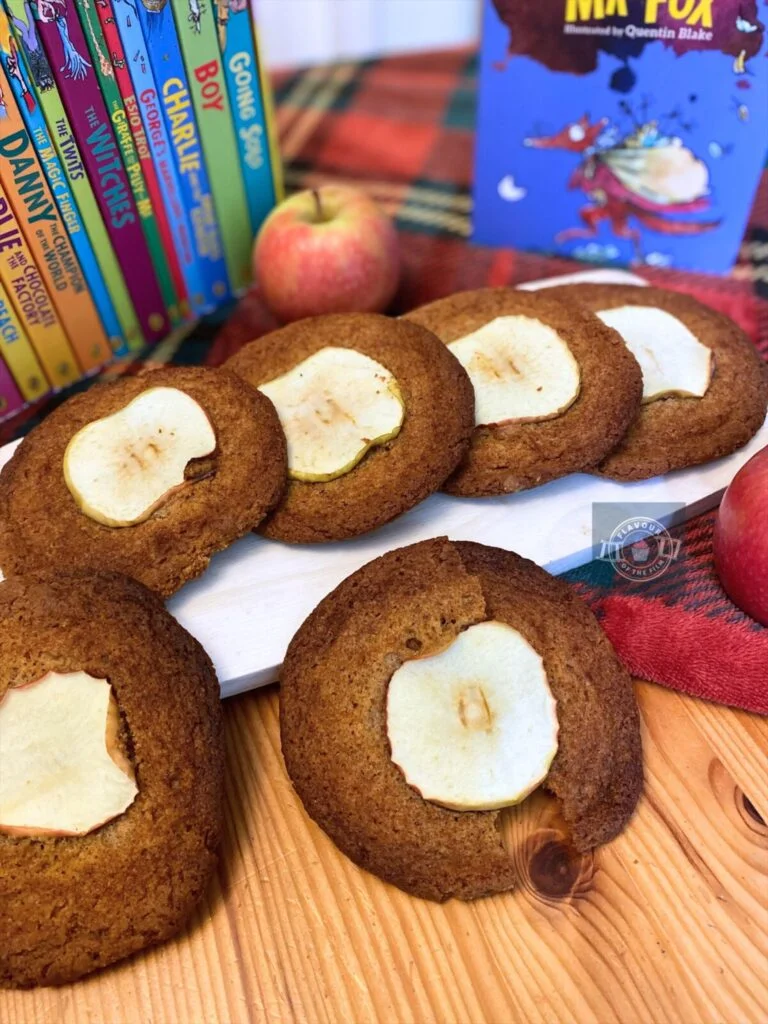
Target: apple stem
(318, 205)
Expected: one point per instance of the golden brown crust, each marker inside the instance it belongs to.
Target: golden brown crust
(70, 905)
(391, 478)
(515, 456)
(42, 527)
(675, 432)
(413, 602)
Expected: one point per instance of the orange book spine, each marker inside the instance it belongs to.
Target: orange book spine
(29, 297)
(31, 198)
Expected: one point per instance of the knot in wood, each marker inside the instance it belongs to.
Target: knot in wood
(557, 871)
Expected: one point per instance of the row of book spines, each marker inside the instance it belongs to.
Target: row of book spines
(184, 47)
(63, 335)
(64, 166)
(249, 107)
(150, 212)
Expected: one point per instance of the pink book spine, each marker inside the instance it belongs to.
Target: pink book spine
(10, 397)
(69, 57)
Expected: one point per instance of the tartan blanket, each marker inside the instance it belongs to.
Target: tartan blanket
(402, 128)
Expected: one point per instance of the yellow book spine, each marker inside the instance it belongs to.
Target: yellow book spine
(273, 144)
(18, 354)
(27, 186)
(30, 299)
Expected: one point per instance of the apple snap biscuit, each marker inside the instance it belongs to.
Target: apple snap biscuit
(51, 514)
(336, 713)
(572, 387)
(672, 430)
(73, 903)
(415, 392)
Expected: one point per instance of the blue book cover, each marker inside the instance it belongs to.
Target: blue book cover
(238, 50)
(161, 46)
(621, 131)
(198, 272)
(34, 120)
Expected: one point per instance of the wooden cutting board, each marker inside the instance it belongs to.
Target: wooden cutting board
(254, 596)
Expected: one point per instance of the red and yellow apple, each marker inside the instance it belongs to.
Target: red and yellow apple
(328, 250)
(741, 538)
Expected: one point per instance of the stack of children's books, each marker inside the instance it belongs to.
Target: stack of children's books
(137, 162)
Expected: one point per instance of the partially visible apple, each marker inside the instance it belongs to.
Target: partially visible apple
(328, 250)
(741, 538)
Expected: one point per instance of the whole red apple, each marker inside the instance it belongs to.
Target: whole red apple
(741, 538)
(328, 250)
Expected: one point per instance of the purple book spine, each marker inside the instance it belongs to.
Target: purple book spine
(10, 398)
(68, 54)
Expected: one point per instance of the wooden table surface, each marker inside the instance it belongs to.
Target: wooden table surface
(668, 924)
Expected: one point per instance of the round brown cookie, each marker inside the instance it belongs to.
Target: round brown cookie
(72, 904)
(410, 603)
(393, 477)
(514, 456)
(41, 525)
(675, 432)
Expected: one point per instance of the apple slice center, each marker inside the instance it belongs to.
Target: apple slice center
(473, 708)
(521, 370)
(474, 727)
(121, 468)
(62, 771)
(672, 359)
(334, 406)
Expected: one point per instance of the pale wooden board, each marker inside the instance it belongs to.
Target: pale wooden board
(667, 925)
(254, 596)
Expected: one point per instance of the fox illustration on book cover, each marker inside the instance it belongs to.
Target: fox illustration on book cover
(645, 176)
(647, 137)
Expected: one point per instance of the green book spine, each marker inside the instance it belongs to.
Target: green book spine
(196, 26)
(113, 101)
(48, 97)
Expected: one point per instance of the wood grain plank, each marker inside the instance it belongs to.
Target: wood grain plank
(744, 761)
(668, 924)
